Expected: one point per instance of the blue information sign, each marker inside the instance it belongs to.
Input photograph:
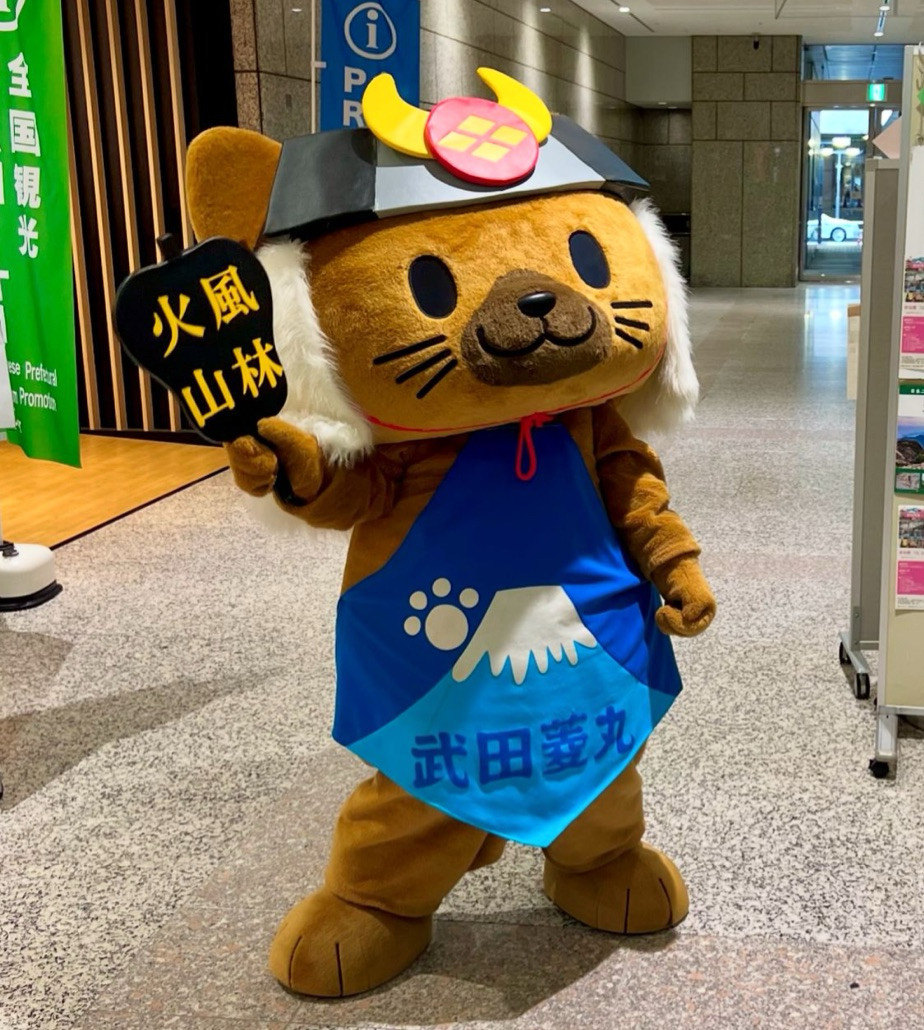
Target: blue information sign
(359, 40)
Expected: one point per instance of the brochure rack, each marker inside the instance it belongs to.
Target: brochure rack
(885, 361)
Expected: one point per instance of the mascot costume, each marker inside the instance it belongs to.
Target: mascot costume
(474, 323)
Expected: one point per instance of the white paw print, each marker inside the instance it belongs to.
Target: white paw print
(446, 625)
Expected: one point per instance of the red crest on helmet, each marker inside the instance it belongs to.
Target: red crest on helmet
(481, 141)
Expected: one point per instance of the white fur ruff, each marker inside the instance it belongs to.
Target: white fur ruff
(317, 401)
(667, 400)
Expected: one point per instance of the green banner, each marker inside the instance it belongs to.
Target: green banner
(36, 284)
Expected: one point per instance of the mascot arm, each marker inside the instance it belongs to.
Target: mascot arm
(638, 504)
(336, 496)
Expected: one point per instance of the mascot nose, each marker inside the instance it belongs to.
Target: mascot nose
(537, 305)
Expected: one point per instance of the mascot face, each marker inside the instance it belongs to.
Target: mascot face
(460, 320)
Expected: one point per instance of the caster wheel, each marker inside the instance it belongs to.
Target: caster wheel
(842, 655)
(879, 769)
(861, 686)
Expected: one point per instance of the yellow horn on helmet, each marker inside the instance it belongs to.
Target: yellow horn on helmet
(519, 99)
(392, 120)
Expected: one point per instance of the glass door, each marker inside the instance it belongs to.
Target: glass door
(832, 223)
(836, 142)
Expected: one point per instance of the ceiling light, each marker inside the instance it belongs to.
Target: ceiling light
(625, 10)
(840, 142)
(884, 8)
(878, 33)
(544, 10)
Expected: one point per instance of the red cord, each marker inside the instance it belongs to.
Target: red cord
(527, 425)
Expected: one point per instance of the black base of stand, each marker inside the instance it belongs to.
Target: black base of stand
(18, 604)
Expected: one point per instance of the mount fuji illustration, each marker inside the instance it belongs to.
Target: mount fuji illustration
(524, 624)
(531, 679)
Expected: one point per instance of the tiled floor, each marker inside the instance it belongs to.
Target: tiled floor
(171, 785)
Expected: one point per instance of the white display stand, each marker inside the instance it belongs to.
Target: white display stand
(901, 632)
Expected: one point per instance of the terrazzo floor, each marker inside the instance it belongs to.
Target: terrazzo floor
(171, 785)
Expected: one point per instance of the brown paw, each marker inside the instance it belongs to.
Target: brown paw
(256, 466)
(639, 892)
(330, 949)
(689, 605)
(253, 465)
(690, 621)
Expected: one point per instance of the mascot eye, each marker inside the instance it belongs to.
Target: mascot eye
(433, 286)
(589, 260)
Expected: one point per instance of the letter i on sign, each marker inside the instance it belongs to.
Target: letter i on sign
(372, 30)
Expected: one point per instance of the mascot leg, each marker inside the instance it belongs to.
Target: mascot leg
(393, 861)
(599, 871)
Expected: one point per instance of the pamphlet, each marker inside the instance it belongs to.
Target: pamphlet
(909, 444)
(909, 589)
(912, 345)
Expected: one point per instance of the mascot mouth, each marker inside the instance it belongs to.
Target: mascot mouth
(501, 350)
(546, 336)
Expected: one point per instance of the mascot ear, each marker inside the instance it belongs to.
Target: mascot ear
(229, 178)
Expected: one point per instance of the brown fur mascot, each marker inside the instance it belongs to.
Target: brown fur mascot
(472, 316)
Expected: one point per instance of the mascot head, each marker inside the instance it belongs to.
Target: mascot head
(437, 273)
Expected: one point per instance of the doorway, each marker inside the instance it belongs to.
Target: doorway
(837, 142)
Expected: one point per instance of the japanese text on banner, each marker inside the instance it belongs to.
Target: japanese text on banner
(36, 291)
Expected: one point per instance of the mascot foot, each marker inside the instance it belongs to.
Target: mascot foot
(330, 949)
(641, 891)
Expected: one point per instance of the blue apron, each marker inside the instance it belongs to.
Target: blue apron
(504, 665)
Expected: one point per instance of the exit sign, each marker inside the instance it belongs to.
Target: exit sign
(875, 91)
